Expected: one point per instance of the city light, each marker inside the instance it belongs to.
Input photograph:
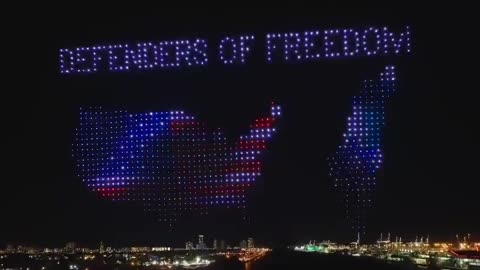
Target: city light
(447, 255)
(420, 252)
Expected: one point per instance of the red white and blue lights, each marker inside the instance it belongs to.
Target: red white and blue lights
(168, 162)
(354, 167)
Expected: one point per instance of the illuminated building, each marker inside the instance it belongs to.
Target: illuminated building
(188, 245)
(215, 244)
(243, 244)
(10, 249)
(250, 243)
(161, 248)
(101, 249)
(355, 165)
(201, 242)
(21, 249)
(70, 247)
(168, 162)
(139, 249)
(222, 245)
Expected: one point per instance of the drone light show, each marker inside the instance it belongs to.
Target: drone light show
(355, 165)
(287, 47)
(169, 162)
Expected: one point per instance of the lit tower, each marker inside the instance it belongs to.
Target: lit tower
(101, 249)
(201, 242)
(222, 245)
(355, 165)
(243, 244)
(250, 243)
(70, 247)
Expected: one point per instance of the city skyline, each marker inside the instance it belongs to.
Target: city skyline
(211, 242)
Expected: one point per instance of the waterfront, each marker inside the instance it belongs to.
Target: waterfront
(461, 255)
(382, 254)
(275, 260)
(283, 259)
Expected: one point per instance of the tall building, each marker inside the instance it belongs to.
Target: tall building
(10, 249)
(201, 243)
(250, 243)
(222, 245)
(215, 244)
(355, 165)
(243, 244)
(189, 245)
(155, 156)
(21, 249)
(101, 249)
(70, 247)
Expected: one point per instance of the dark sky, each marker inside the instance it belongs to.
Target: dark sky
(428, 184)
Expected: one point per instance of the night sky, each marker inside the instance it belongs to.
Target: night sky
(428, 184)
